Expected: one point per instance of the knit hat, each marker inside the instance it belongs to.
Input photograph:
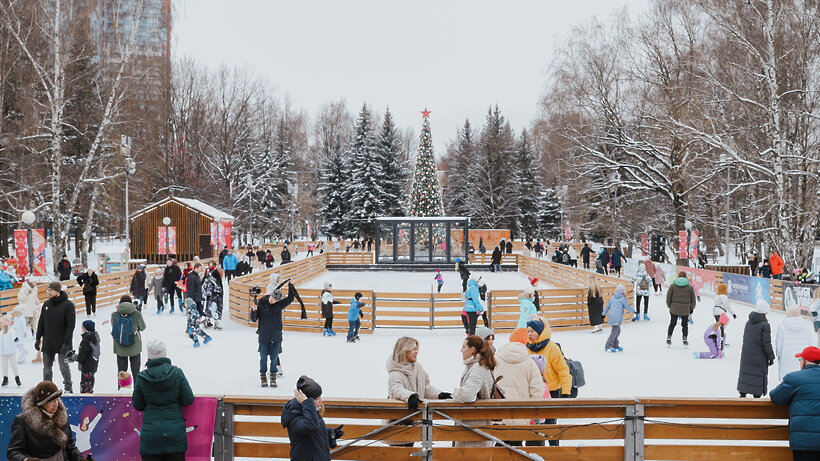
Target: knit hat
(762, 307)
(45, 392)
(723, 319)
(88, 325)
(721, 289)
(124, 379)
(540, 362)
(55, 286)
(519, 335)
(309, 387)
(327, 285)
(156, 349)
(620, 289)
(483, 332)
(537, 325)
(533, 280)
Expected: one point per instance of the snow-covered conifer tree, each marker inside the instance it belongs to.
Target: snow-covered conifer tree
(529, 185)
(458, 190)
(334, 206)
(395, 171)
(366, 180)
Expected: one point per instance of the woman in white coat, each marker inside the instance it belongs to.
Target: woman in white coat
(518, 379)
(476, 380)
(793, 335)
(30, 307)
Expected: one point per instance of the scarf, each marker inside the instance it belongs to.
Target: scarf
(535, 347)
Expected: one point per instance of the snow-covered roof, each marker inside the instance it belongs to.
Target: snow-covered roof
(422, 218)
(190, 203)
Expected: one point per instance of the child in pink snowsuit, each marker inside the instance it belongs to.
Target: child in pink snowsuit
(714, 339)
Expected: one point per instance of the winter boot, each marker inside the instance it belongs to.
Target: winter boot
(668, 340)
(196, 343)
(696, 354)
(264, 378)
(17, 380)
(351, 340)
(646, 316)
(331, 332)
(207, 340)
(685, 341)
(279, 371)
(356, 338)
(637, 317)
(273, 380)
(5, 381)
(217, 326)
(324, 331)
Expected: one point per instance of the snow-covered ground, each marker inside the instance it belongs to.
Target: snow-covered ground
(417, 282)
(230, 364)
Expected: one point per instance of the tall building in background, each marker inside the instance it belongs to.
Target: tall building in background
(150, 63)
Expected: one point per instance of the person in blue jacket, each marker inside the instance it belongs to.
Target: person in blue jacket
(353, 317)
(800, 390)
(472, 305)
(310, 438)
(229, 263)
(617, 256)
(614, 312)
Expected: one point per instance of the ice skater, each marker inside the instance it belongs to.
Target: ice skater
(614, 312)
(21, 330)
(327, 309)
(8, 352)
(194, 329)
(439, 280)
(353, 317)
(714, 339)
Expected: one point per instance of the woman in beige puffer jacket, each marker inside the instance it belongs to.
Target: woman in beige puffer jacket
(476, 381)
(518, 376)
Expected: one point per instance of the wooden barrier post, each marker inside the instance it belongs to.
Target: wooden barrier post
(223, 432)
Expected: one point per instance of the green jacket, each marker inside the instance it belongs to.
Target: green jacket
(680, 298)
(139, 325)
(161, 391)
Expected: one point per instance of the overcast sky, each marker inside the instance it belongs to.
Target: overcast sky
(455, 57)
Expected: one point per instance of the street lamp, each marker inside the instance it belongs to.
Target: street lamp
(563, 192)
(167, 221)
(130, 168)
(725, 159)
(614, 178)
(688, 226)
(252, 188)
(292, 212)
(28, 219)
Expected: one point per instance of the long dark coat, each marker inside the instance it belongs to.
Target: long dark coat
(755, 356)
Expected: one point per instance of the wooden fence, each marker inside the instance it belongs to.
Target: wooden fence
(589, 429)
(485, 258)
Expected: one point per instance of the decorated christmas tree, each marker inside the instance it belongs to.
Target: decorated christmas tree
(426, 198)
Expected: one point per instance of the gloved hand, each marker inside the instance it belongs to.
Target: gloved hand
(413, 402)
(36, 345)
(734, 316)
(16, 340)
(338, 432)
(361, 314)
(445, 396)
(770, 362)
(64, 350)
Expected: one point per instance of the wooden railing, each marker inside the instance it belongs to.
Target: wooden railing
(478, 259)
(589, 429)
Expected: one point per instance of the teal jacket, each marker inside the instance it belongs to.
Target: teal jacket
(134, 348)
(800, 390)
(161, 391)
(472, 302)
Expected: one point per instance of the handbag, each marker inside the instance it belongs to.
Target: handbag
(497, 392)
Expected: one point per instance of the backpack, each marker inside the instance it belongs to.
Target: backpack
(122, 329)
(576, 370)
(565, 258)
(644, 285)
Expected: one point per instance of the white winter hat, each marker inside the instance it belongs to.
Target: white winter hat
(762, 307)
(327, 285)
(156, 349)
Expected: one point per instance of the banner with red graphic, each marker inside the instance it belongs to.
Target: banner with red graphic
(172, 240)
(644, 244)
(693, 245)
(21, 252)
(221, 233)
(682, 245)
(38, 243)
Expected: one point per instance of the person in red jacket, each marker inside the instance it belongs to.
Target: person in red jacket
(777, 265)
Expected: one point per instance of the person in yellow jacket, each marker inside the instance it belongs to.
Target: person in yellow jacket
(556, 373)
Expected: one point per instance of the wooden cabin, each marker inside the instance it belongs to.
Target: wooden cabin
(193, 222)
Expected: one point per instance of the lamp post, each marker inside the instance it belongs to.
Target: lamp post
(292, 212)
(167, 221)
(130, 168)
(252, 188)
(725, 159)
(28, 219)
(563, 192)
(615, 178)
(688, 226)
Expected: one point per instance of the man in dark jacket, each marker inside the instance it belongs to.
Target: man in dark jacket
(617, 259)
(89, 281)
(42, 431)
(757, 354)
(310, 438)
(681, 301)
(54, 333)
(268, 314)
(509, 246)
(800, 390)
(222, 254)
(193, 288)
(170, 277)
(463, 272)
(285, 254)
(64, 268)
(585, 252)
(495, 261)
(161, 390)
(138, 289)
(604, 258)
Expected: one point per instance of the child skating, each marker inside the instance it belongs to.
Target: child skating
(8, 351)
(21, 331)
(353, 317)
(614, 313)
(327, 309)
(87, 356)
(714, 339)
(194, 330)
(439, 280)
(159, 290)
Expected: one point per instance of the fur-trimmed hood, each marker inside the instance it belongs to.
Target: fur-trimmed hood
(39, 422)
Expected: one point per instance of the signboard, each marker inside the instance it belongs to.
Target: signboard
(745, 289)
(172, 240)
(109, 427)
(682, 245)
(38, 243)
(798, 295)
(693, 246)
(702, 280)
(221, 233)
(644, 244)
(21, 252)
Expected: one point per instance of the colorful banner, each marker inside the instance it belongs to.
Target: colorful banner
(682, 244)
(644, 244)
(693, 246)
(21, 252)
(225, 233)
(38, 243)
(745, 289)
(109, 427)
(172, 240)
(799, 295)
(703, 281)
(568, 233)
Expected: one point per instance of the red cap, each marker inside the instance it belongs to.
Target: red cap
(533, 280)
(811, 354)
